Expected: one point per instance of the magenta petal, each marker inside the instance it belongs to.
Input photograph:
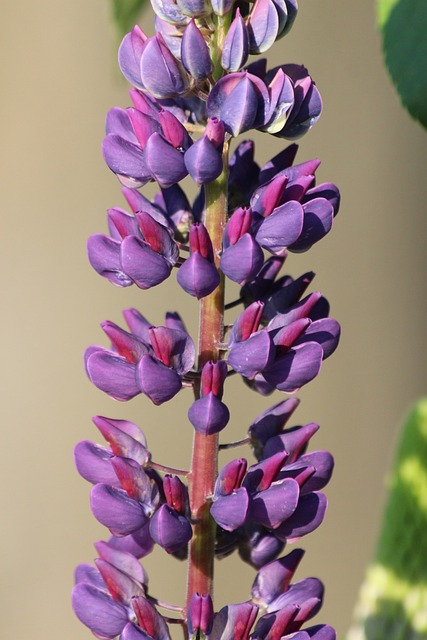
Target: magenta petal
(307, 517)
(169, 529)
(231, 511)
(208, 415)
(242, 260)
(173, 347)
(275, 625)
(113, 508)
(98, 611)
(126, 562)
(146, 267)
(149, 619)
(157, 381)
(297, 367)
(104, 257)
(121, 586)
(234, 622)
(253, 355)
(112, 374)
(198, 276)
(117, 433)
(93, 462)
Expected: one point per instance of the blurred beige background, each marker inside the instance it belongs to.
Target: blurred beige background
(58, 78)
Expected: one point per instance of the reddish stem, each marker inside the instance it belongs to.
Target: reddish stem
(204, 464)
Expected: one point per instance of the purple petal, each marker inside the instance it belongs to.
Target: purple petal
(132, 632)
(282, 228)
(307, 517)
(130, 55)
(323, 464)
(139, 543)
(326, 190)
(198, 276)
(275, 505)
(195, 54)
(318, 218)
(146, 267)
(90, 575)
(235, 49)
(165, 163)
(292, 440)
(274, 578)
(158, 236)
(157, 381)
(272, 421)
(252, 355)
(125, 158)
(104, 257)
(113, 508)
(169, 529)
(260, 547)
(263, 26)
(230, 477)
(208, 415)
(297, 367)
(93, 462)
(121, 224)
(118, 122)
(275, 625)
(230, 512)
(98, 611)
(321, 632)
(281, 161)
(242, 260)
(138, 324)
(161, 74)
(326, 332)
(203, 161)
(112, 374)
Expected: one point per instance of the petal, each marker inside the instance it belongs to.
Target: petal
(126, 562)
(125, 158)
(98, 611)
(252, 355)
(169, 529)
(165, 163)
(121, 586)
(146, 267)
(326, 332)
(112, 374)
(130, 54)
(195, 55)
(203, 161)
(282, 228)
(307, 517)
(231, 511)
(93, 462)
(104, 257)
(242, 260)
(157, 381)
(272, 421)
(318, 218)
(276, 504)
(198, 276)
(113, 508)
(208, 415)
(274, 578)
(234, 621)
(124, 437)
(297, 367)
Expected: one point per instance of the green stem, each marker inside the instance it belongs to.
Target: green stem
(204, 464)
(222, 25)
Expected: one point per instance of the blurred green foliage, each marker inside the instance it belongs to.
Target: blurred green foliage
(403, 26)
(126, 14)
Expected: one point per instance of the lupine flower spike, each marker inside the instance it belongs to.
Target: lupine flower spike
(194, 88)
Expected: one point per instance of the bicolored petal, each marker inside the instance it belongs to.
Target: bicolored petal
(234, 621)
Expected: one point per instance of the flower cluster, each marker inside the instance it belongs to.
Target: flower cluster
(194, 90)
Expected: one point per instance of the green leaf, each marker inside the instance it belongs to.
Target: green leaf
(393, 599)
(126, 14)
(403, 24)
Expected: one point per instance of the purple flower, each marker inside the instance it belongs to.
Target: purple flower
(152, 361)
(198, 275)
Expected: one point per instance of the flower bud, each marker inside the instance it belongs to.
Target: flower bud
(263, 26)
(235, 50)
(200, 614)
(195, 54)
(169, 529)
(161, 74)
